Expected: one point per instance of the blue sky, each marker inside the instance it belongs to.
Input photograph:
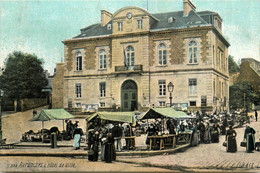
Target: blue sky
(39, 26)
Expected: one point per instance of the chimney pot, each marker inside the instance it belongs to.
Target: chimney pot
(187, 7)
(106, 17)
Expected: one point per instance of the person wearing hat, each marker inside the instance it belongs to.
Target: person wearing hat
(201, 128)
(215, 133)
(77, 136)
(194, 135)
(224, 125)
(231, 140)
(109, 153)
(90, 138)
(208, 133)
(117, 133)
(249, 136)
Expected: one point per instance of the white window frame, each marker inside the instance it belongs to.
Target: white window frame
(78, 105)
(102, 59)
(130, 56)
(140, 23)
(162, 54)
(79, 61)
(78, 90)
(194, 102)
(162, 87)
(120, 26)
(102, 104)
(193, 52)
(192, 83)
(162, 103)
(102, 89)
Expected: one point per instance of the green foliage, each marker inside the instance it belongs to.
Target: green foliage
(23, 76)
(242, 95)
(232, 65)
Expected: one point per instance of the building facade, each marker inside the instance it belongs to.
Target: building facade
(128, 60)
(250, 72)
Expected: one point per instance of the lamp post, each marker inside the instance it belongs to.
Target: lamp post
(1, 94)
(170, 89)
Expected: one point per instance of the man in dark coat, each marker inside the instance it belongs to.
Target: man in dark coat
(224, 125)
(117, 134)
(172, 127)
(69, 129)
(256, 115)
(151, 131)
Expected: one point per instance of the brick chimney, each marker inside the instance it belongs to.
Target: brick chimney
(106, 17)
(187, 7)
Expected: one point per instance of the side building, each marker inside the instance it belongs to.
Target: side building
(127, 61)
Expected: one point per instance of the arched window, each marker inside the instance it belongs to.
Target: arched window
(78, 61)
(130, 56)
(102, 59)
(162, 54)
(193, 52)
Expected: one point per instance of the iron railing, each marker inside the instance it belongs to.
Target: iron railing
(129, 68)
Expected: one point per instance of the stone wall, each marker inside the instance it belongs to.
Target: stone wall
(58, 87)
(249, 74)
(27, 104)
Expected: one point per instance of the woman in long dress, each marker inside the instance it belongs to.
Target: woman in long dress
(249, 136)
(110, 153)
(104, 132)
(194, 136)
(231, 140)
(77, 136)
(207, 135)
(215, 133)
(95, 146)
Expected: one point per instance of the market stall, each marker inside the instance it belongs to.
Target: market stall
(48, 115)
(162, 139)
(110, 118)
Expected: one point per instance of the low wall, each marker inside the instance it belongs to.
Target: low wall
(27, 104)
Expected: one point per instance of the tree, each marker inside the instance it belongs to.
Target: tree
(242, 95)
(232, 65)
(23, 76)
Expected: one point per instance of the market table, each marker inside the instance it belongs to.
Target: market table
(172, 141)
(131, 141)
(153, 140)
(184, 137)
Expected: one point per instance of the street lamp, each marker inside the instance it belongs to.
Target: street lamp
(1, 94)
(170, 89)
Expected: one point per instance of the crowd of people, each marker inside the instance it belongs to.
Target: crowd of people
(108, 139)
(206, 128)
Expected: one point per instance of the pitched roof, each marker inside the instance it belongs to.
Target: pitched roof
(164, 113)
(95, 30)
(179, 21)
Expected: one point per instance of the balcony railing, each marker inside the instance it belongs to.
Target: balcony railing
(129, 68)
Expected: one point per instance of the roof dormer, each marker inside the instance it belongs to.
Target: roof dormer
(132, 19)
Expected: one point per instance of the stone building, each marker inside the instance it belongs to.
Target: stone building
(127, 61)
(250, 72)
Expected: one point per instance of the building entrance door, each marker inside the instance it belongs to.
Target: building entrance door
(129, 96)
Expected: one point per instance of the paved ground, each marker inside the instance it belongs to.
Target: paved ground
(208, 156)
(61, 164)
(14, 125)
(205, 157)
